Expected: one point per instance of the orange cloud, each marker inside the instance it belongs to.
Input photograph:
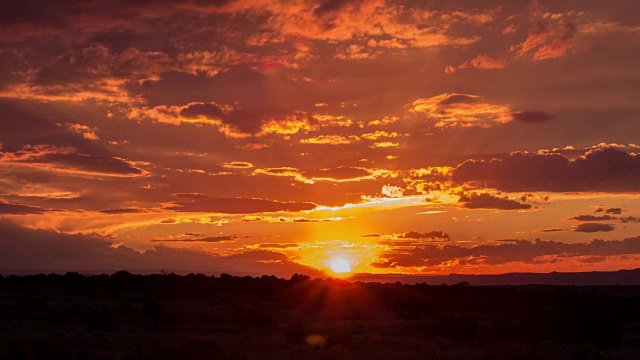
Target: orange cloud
(331, 140)
(238, 165)
(554, 34)
(84, 130)
(461, 110)
(484, 61)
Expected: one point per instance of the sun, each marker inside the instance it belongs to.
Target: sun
(340, 266)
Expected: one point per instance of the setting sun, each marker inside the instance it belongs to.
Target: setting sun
(340, 266)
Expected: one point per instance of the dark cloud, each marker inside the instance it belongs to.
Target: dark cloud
(29, 123)
(82, 71)
(194, 196)
(193, 111)
(593, 227)
(616, 211)
(533, 117)
(593, 218)
(430, 236)
(91, 163)
(29, 135)
(122, 211)
(602, 169)
(26, 249)
(504, 252)
(203, 203)
(116, 40)
(622, 219)
(240, 120)
(488, 201)
(17, 209)
(327, 6)
(455, 99)
(244, 121)
(210, 239)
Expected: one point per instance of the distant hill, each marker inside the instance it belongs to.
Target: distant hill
(620, 277)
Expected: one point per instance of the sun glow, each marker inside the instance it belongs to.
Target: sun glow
(340, 266)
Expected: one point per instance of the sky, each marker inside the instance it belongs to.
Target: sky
(320, 136)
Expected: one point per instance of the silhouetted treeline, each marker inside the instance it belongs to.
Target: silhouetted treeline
(131, 315)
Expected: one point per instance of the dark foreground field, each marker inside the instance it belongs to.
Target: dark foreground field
(124, 316)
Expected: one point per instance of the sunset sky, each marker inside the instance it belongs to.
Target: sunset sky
(283, 136)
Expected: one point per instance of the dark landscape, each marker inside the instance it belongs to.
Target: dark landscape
(169, 316)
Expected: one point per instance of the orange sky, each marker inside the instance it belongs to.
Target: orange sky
(273, 137)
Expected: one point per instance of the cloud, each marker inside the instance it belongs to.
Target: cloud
(47, 250)
(488, 201)
(605, 168)
(533, 117)
(287, 219)
(536, 252)
(232, 121)
(205, 203)
(559, 44)
(616, 211)
(552, 35)
(209, 239)
(30, 125)
(68, 160)
(238, 165)
(593, 227)
(371, 235)
(91, 164)
(452, 110)
(84, 130)
(483, 61)
(332, 140)
(392, 191)
(340, 21)
(349, 177)
(428, 236)
(461, 110)
(553, 230)
(123, 211)
(18, 209)
(593, 218)
(205, 110)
